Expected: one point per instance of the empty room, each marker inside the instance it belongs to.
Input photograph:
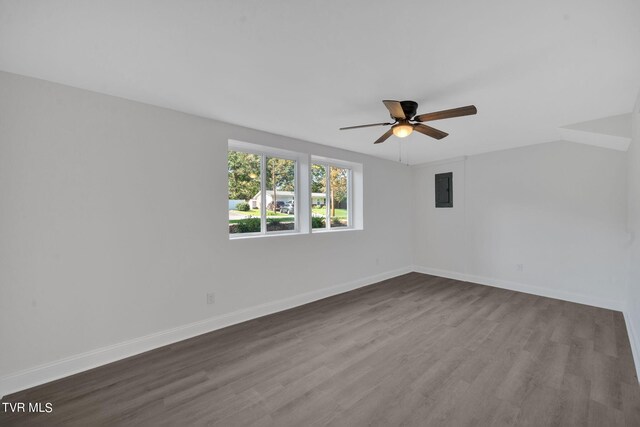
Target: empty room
(310, 213)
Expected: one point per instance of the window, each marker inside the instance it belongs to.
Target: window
(318, 196)
(280, 194)
(262, 193)
(274, 191)
(330, 196)
(244, 171)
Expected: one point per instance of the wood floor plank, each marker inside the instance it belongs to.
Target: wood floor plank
(413, 350)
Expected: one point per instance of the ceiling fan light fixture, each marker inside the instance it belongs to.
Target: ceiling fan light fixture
(402, 130)
(403, 114)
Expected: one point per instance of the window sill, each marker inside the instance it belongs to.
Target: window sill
(245, 236)
(334, 230)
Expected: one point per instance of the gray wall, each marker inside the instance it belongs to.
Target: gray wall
(113, 224)
(558, 209)
(634, 229)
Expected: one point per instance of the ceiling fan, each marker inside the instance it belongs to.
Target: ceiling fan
(404, 114)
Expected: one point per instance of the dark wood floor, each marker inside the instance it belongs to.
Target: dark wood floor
(414, 350)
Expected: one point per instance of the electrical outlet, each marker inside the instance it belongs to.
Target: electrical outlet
(211, 298)
(377, 261)
(520, 267)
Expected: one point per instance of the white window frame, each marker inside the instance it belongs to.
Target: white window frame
(302, 190)
(265, 152)
(355, 189)
(327, 185)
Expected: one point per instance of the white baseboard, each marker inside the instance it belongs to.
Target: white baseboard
(528, 289)
(633, 339)
(550, 293)
(81, 362)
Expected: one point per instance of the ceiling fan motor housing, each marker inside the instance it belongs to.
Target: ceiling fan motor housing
(410, 108)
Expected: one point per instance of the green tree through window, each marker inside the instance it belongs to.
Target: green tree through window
(280, 177)
(243, 169)
(339, 187)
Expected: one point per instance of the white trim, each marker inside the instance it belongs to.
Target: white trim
(350, 198)
(334, 230)
(550, 293)
(267, 150)
(328, 199)
(633, 339)
(305, 196)
(333, 162)
(251, 236)
(527, 289)
(263, 197)
(350, 167)
(81, 362)
(304, 161)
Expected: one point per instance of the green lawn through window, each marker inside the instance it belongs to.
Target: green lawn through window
(340, 213)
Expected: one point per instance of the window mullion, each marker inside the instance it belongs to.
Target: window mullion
(327, 170)
(263, 194)
(296, 199)
(350, 198)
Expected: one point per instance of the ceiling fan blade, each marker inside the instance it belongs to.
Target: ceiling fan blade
(429, 131)
(384, 137)
(395, 108)
(447, 114)
(366, 126)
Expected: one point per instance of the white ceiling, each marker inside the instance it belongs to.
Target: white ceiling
(306, 68)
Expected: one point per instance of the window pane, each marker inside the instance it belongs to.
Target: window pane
(280, 179)
(244, 192)
(318, 196)
(339, 187)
